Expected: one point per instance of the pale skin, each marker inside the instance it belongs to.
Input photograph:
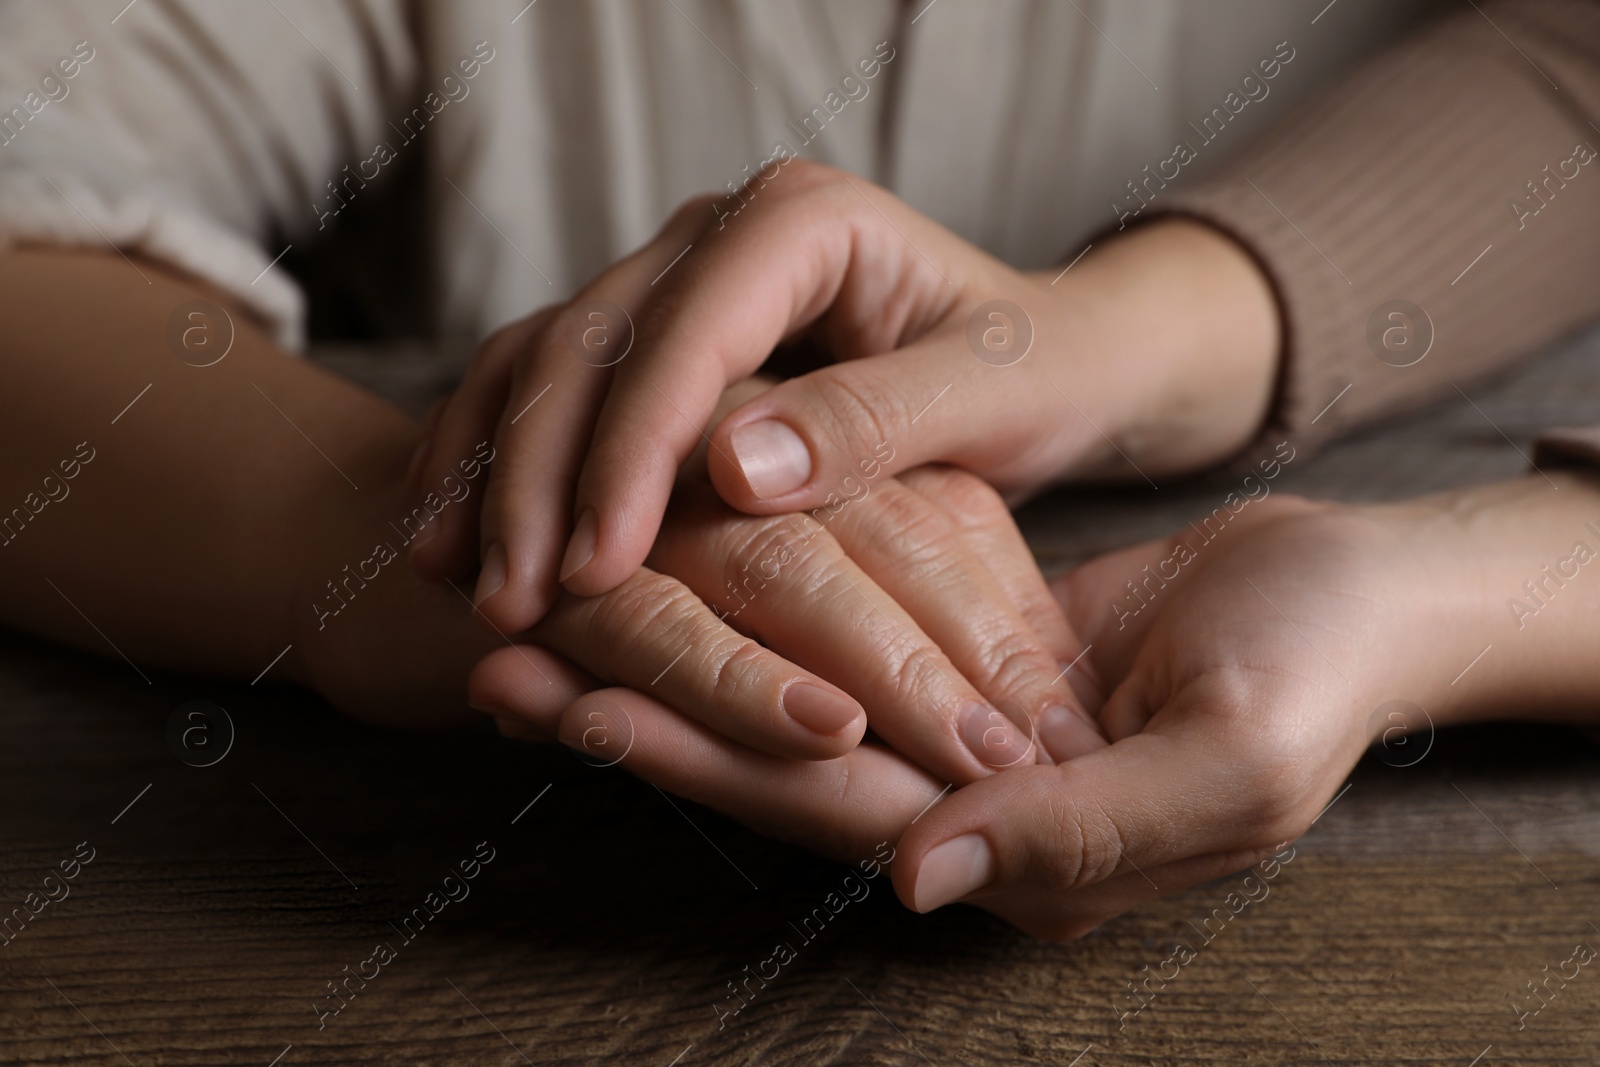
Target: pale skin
(227, 523)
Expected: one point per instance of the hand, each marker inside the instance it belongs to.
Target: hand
(1155, 352)
(919, 599)
(1239, 698)
(1244, 679)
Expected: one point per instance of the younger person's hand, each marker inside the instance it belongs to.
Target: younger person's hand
(1152, 355)
(1248, 670)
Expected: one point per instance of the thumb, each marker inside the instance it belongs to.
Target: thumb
(1144, 802)
(818, 439)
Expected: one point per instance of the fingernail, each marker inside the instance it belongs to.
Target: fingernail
(772, 456)
(993, 738)
(823, 711)
(580, 550)
(493, 575)
(952, 870)
(1066, 733)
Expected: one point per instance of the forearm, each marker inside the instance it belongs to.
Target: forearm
(215, 507)
(1515, 591)
(1168, 341)
(1280, 226)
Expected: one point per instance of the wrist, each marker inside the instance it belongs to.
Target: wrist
(1513, 595)
(371, 636)
(346, 523)
(1175, 330)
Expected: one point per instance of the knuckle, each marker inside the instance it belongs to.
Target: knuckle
(499, 345)
(917, 536)
(643, 609)
(1087, 845)
(896, 508)
(801, 176)
(1281, 802)
(655, 617)
(1279, 795)
(915, 672)
(563, 324)
(1010, 662)
(1276, 790)
(857, 408)
(498, 338)
(791, 193)
(665, 308)
(761, 550)
(511, 340)
(737, 671)
(811, 171)
(971, 499)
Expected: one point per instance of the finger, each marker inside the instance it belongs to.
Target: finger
(424, 448)
(539, 434)
(528, 684)
(932, 401)
(847, 808)
(990, 531)
(917, 554)
(528, 536)
(443, 531)
(1056, 916)
(1150, 799)
(1066, 703)
(798, 591)
(653, 634)
(719, 314)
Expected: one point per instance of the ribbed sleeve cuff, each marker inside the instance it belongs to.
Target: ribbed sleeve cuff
(1415, 223)
(1568, 446)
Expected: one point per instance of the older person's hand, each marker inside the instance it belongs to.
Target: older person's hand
(918, 599)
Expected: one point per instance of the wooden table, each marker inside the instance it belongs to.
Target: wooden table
(221, 901)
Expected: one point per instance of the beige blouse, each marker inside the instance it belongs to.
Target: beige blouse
(536, 142)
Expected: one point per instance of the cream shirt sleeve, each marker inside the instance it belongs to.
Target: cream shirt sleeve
(196, 132)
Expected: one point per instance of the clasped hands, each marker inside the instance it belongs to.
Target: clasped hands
(723, 583)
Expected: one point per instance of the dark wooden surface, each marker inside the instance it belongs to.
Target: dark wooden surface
(219, 904)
